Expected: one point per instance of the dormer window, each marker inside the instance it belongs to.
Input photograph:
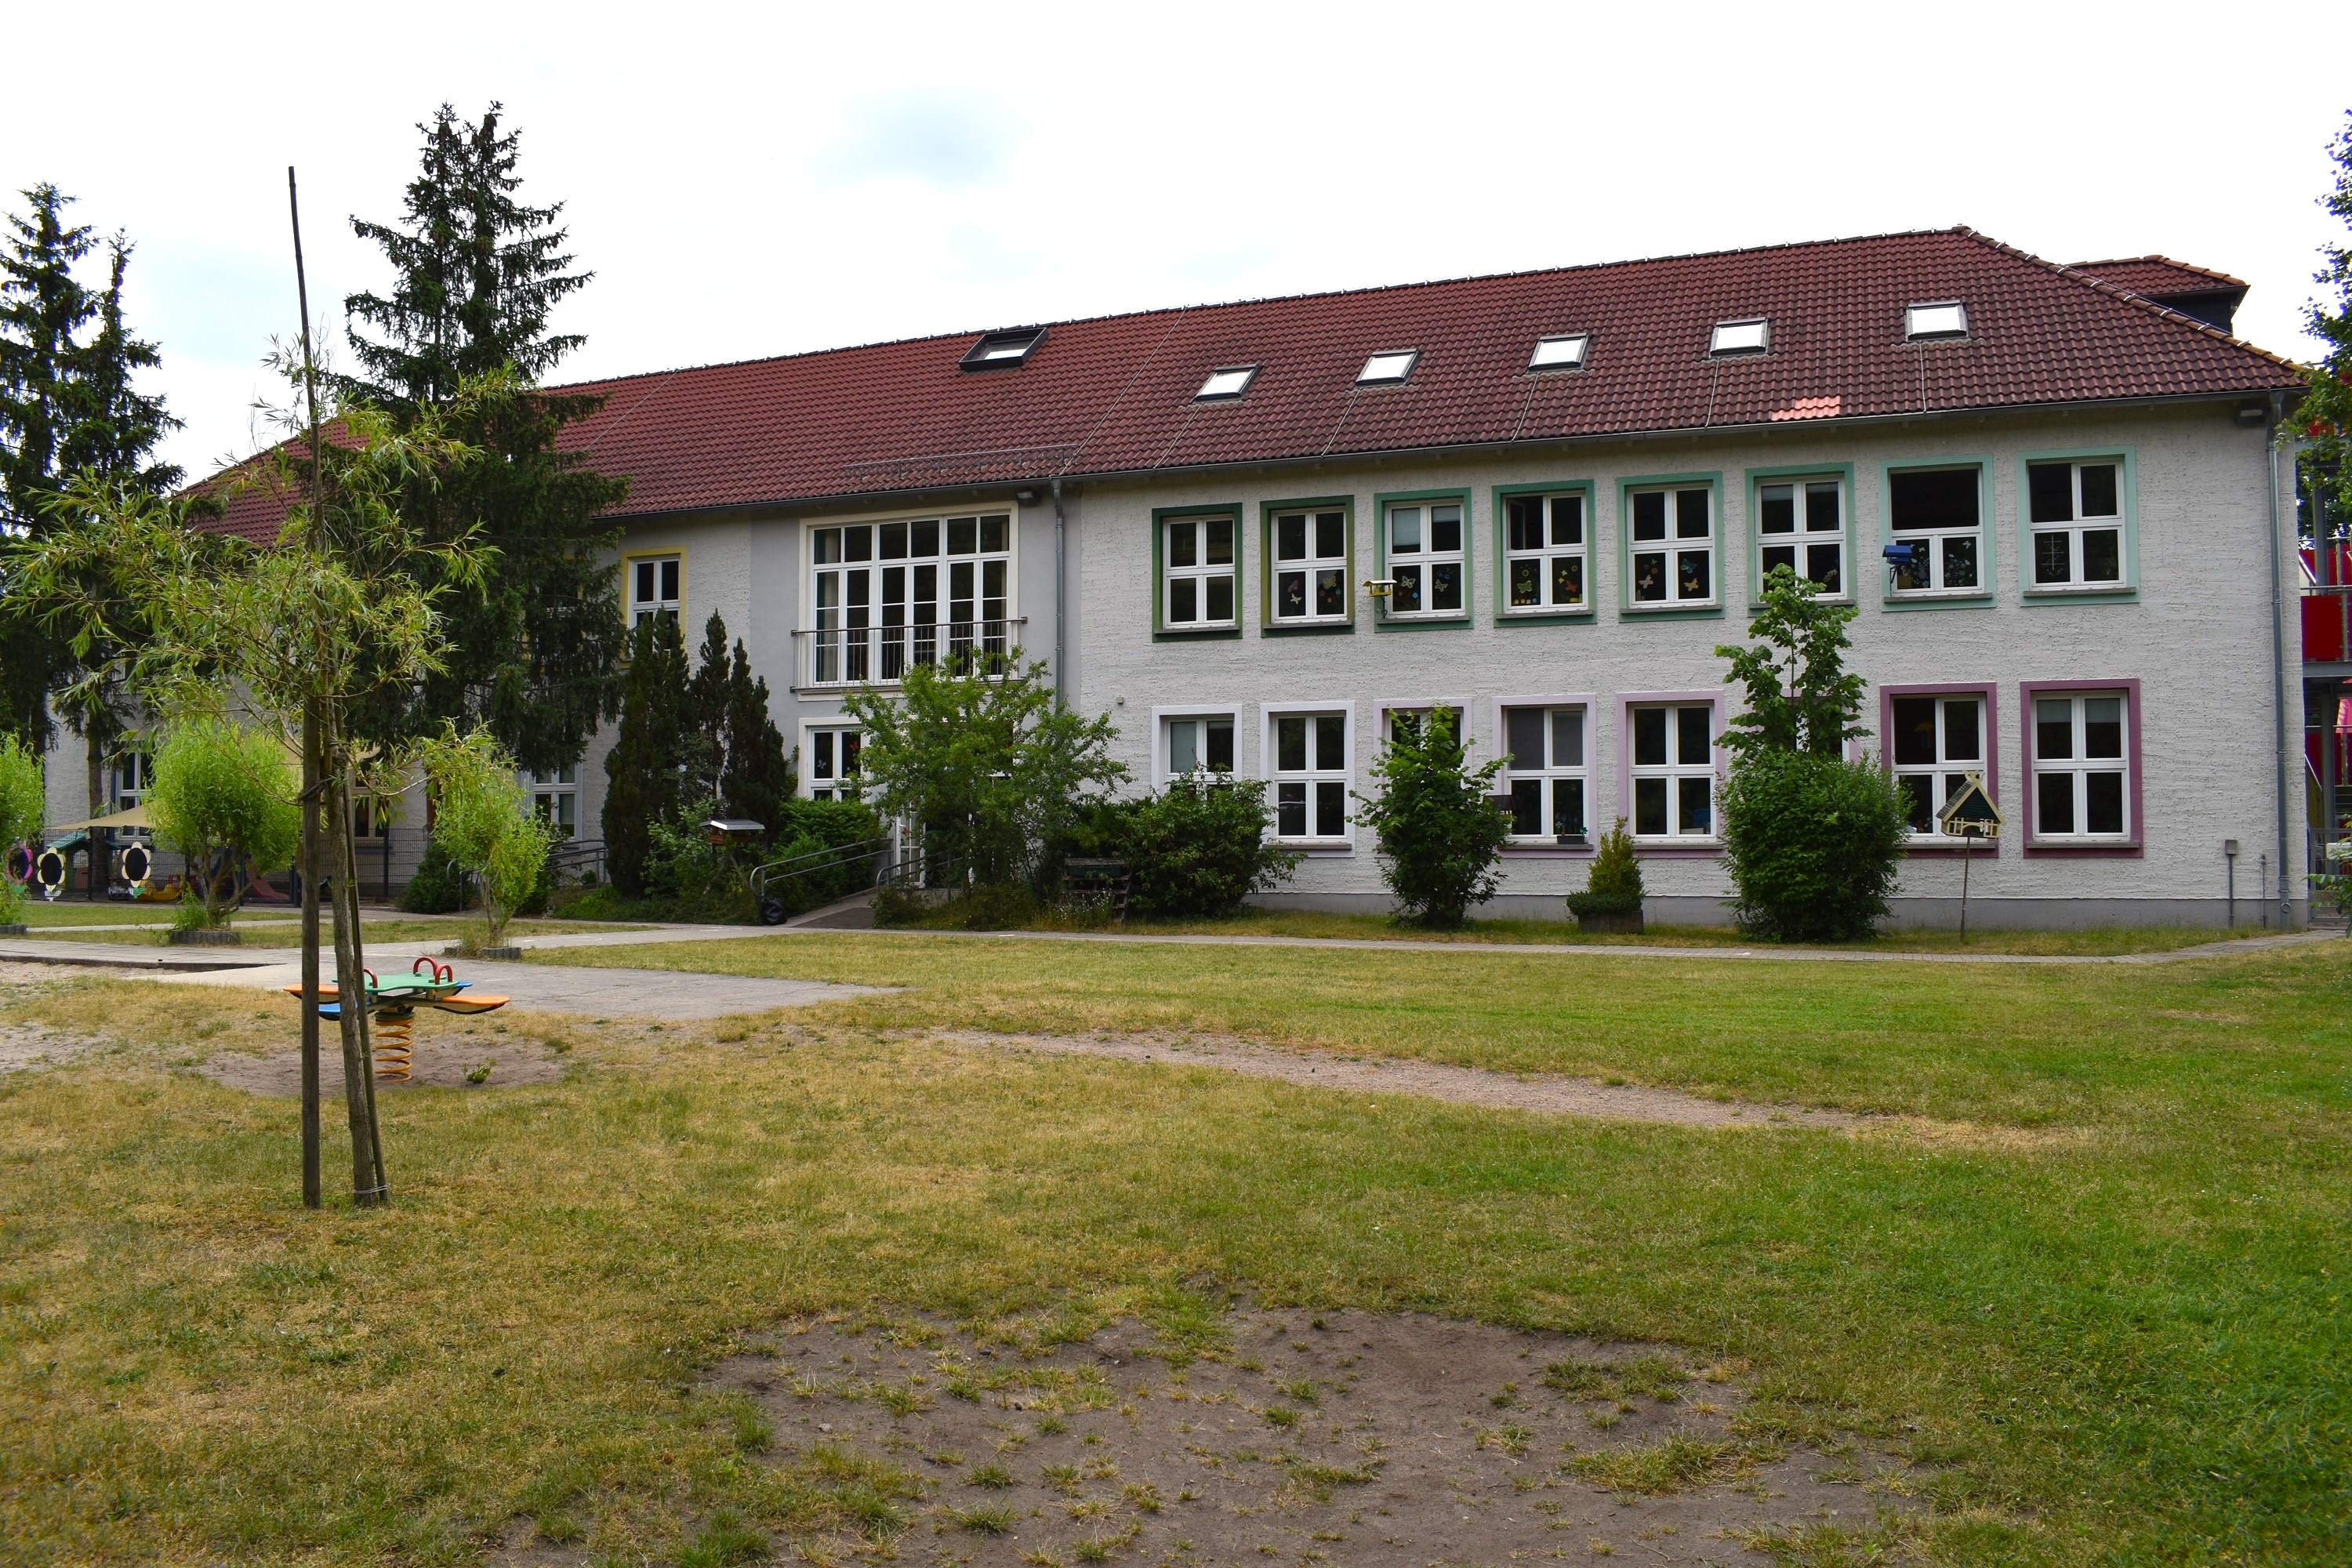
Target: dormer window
(1749, 336)
(1386, 367)
(1938, 319)
(1007, 350)
(1566, 352)
(1225, 385)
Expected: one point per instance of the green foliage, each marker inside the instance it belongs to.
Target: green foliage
(1799, 697)
(221, 790)
(1613, 885)
(1440, 835)
(438, 885)
(732, 750)
(1195, 850)
(1812, 839)
(643, 766)
(484, 823)
(2325, 414)
(990, 763)
(808, 827)
(67, 405)
(23, 804)
(1813, 842)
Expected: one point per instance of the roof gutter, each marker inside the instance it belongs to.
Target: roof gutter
(2278, 662)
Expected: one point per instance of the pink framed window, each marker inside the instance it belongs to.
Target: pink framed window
(1935, 736)
(2082, 779)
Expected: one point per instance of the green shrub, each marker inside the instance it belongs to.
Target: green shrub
(437, 887)
(1441, 835)
(1614, 884)
(1195, 851)
(978, 908)
(1813, 842)
(23, 802)
(484, 822)
(223, 792)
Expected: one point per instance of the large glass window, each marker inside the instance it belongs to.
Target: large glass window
(833, 762)
(2082, 771)
(657, 584)
(1310, 566)
(1801, 525)
(1544, 552)
(1310, 775)
(1425, 559)
(1938, 741)
(1545, 772)
(1673, 768)
(1673, 547)
(1935, 511)
(1197, 573)
(555, 799)
(1199, 745)
(133, 773)
(2076, 512)
(887, 596)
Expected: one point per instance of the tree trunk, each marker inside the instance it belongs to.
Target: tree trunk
(311, 859)
(95, 749)
(350, 991)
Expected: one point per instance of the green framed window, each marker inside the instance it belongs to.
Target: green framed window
(2078, 524)
(1422, 550)
(1802, 519)
(1543, 552)
(1196, 571)
(1311, 559)
(1937, 532)
(1670, 545)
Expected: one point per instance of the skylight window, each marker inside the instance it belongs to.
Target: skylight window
(1939, 318)
(1565, 353)
(1006, 350)
(1226, 384)
(1386, 367)
(1752, 336)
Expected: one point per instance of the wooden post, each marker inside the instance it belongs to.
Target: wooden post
(312, 773)
(1968, 845)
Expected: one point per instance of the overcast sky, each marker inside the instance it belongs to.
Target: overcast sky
(751, 181)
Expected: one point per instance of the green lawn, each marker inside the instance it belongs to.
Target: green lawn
(2108, 1314)
(39, 915)
(273, 933)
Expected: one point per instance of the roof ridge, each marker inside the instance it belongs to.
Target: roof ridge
(2165, 260)
(2141, 301)
(1200, 305)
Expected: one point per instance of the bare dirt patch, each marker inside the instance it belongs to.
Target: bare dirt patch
(1554, 1096)
(1342, 1437)
(443, 1061)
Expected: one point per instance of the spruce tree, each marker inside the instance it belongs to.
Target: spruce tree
(643, 766)
(476, 276)
(704, 748)
(758, 782)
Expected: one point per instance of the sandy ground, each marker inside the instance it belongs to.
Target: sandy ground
(1553, 1096)
(1353, 1437)
(442, 1063)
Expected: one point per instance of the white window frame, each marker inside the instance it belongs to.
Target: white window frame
(1549, 771)
(1163, 749)
(1201, 572)
(855, 641)
(1269, 757)
(1935, 320)
(821, 740)
(1426, 558)
(645, 570)
(1310, 567)
(1676, 772)
(1226, 384)
(2077, 527)
(2080, 768)
(1546, 554)
(1741, 335)
(1388, 367)
(1803, 539)
(1672, 548)
(140, 767)
(550, 796)
(1560, 351)
(1946, 774)
(1932, 541)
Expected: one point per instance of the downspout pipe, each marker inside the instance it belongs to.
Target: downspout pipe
(2278, 664)
(1062, 599)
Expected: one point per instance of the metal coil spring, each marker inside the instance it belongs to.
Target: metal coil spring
(394, 1045)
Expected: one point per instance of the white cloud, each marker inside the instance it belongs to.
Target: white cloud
(747, 180)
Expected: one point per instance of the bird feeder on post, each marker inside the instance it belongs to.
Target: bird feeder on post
(1968, 816)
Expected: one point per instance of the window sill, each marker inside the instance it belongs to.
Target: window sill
(1844, 599)
(1196, 634)
(2101, 593)
(1545, 849)
(1419, 623)
(2086, 849)
(1542, 617)
(1305, 628)
(1936, 598)
(1319, 848)
(1667, 611)
(1677, 846)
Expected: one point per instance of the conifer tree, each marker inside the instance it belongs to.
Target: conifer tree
(757, 781)
(704, 747)
(644, 763)
(476, 275)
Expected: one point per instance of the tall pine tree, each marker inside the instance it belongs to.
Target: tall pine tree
(477, 274)
(644, 767)
(68, 404)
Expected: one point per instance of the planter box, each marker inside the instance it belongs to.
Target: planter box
(501, 954)
(12, 930)
(1626, 925)
(204, 938)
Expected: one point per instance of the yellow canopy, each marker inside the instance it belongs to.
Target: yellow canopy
(135, 817)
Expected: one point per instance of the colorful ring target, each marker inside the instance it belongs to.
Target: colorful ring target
(20, 863)
(135, 865)
(49, 871)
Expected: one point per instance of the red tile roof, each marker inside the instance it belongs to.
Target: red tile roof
(1115, 394)
(2157, 276)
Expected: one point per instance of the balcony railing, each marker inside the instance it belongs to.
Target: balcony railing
(2327, 623)
(881, 656)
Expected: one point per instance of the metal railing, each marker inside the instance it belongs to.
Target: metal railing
(864, 655)
(578, 860)
(2327, 623)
